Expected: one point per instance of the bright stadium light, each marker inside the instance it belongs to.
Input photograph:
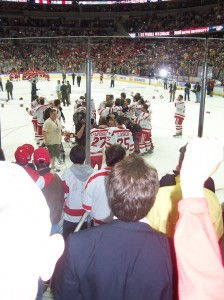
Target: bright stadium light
(163, 73)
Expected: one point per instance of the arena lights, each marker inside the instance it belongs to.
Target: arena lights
(163, 73)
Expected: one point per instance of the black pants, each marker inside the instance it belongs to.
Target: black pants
(112, 83)
(9, 93)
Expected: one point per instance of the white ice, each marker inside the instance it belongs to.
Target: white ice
(16, 126)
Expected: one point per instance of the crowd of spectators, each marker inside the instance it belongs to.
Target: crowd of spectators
(171, 21)
(122, 56)
(25, 25)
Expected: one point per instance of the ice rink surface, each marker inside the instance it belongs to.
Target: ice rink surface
(16, 126)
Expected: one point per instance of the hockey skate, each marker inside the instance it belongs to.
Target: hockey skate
(178, 134)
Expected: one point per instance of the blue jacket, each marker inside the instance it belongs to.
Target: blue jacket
(116, 261)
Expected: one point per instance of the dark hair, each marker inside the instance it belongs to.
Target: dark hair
(114, 154)
(118, 102)
(102, 121)
(57, 102)
(131, 188)
(77, 155)
(120, 120)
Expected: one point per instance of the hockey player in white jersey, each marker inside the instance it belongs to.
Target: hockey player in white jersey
(120, 135)
(144, 137)
(97, 143)
(179, 115)
(38, 112)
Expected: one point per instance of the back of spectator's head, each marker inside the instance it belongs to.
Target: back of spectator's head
(22, 156)
(26, 251)
(77, 155)
(114, 154)
(131, 188)
(41, 158)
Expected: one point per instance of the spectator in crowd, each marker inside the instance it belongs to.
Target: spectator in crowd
(179, 115)
(95, 197)
(199, 262)
(164, 214)
(30, 252)
(107, 261)
(74, 179)
(53, 190)
(54, 195)
(9, 89)
(52, 136)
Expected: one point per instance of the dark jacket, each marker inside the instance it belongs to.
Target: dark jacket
(116, 261)
(54, 195)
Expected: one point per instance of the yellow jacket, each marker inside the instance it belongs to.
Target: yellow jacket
(164, 213)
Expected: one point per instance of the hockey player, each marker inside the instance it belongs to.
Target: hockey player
(179, 115)
(101, 77)
(120, 135)
(97, 143)
(144, 137)
(34, 104)
(38, 111)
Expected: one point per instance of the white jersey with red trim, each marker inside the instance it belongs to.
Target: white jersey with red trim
(180, 109)
(74, 191)
(136, 108)
(101, 105)
(95, 197)
(122, 136)
(105, 111)
(118, 110)
(97, 141)
(144, 120)
(39, 112)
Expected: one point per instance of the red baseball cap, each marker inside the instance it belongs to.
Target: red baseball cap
(29, 148)
(22, 156)
(41, 156)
